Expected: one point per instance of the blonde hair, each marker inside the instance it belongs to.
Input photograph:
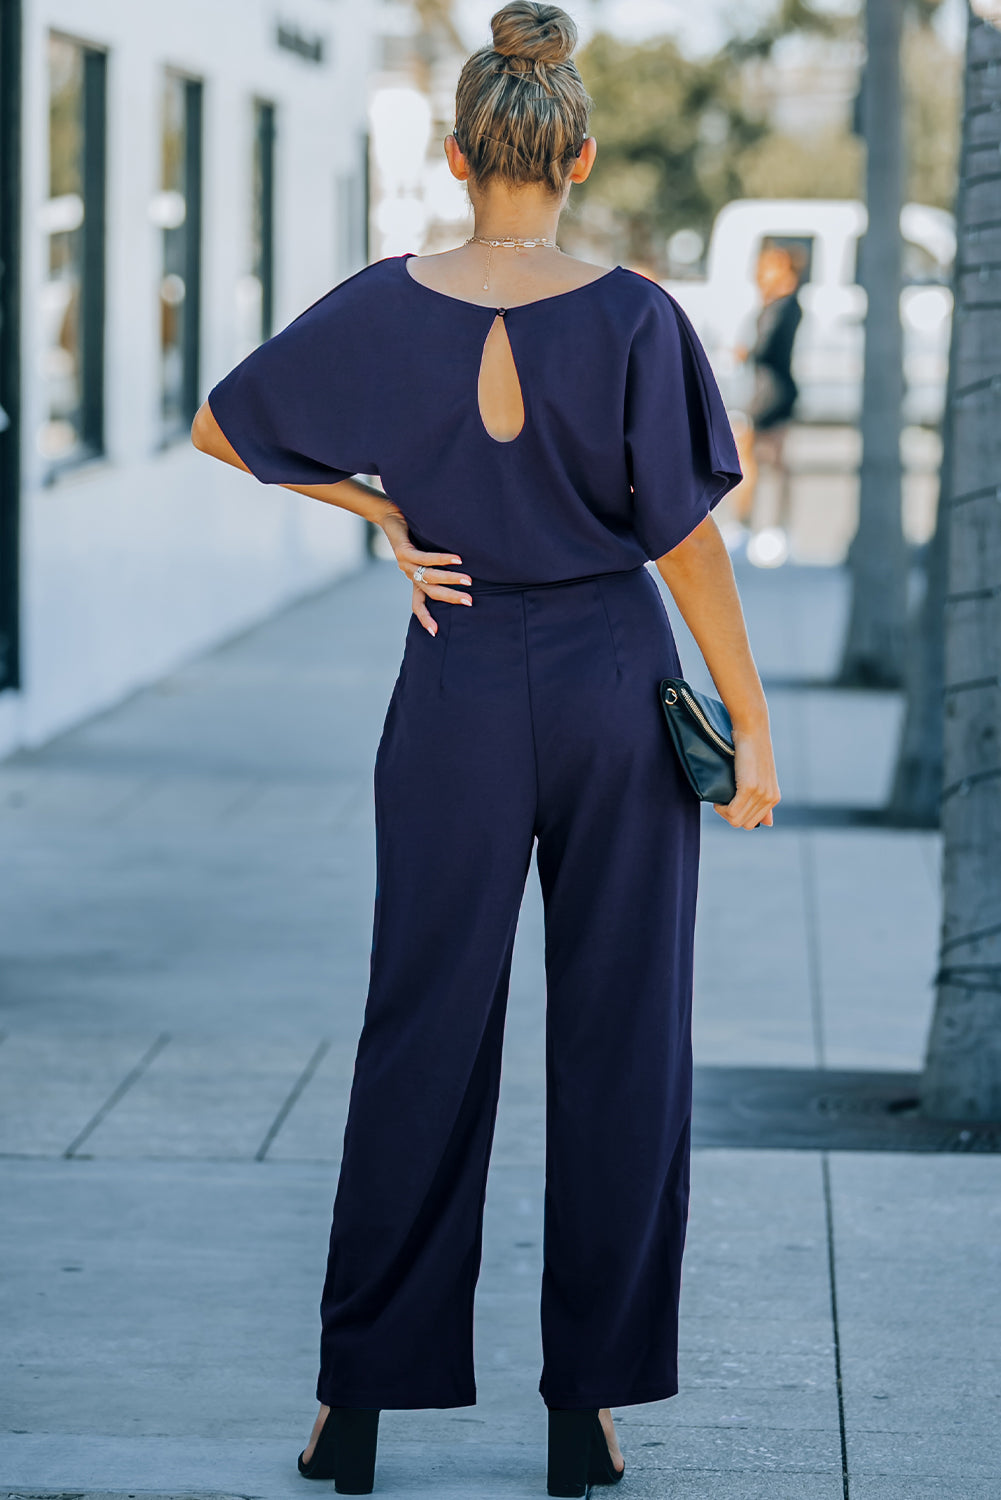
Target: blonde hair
(521, 109)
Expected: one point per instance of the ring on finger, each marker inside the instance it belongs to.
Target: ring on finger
(419, 574)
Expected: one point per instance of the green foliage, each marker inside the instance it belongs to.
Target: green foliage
(933, 80)
(670, 131)
(676, 139)
(787, 17)
(782, 166)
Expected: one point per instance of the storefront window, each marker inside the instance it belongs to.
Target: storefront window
(177, 210)
(255, 291)
(73, 223)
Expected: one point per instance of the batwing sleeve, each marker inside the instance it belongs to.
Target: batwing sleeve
(299, 408)
(680, 448)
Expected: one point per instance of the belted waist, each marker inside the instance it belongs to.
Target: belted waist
(489, 586)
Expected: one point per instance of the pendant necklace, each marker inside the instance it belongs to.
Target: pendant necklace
(509, 241)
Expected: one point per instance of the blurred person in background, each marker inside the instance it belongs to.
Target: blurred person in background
(526, 715)
(761, 438)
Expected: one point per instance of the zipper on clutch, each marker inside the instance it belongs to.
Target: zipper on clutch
(710, 731)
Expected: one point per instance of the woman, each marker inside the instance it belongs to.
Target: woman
(544, 427)
(773, 398)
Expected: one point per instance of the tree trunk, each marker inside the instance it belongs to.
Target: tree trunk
(962, 1077)
(917, 780)
(874, 645)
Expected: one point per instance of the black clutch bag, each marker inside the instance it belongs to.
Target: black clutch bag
(701, 732)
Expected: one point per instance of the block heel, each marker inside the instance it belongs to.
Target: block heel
(345, 1450)
(570, 1439)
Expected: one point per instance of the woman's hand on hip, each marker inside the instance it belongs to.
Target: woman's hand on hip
(757, 784)
(433, 576)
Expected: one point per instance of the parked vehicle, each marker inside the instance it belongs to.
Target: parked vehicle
(827, 360)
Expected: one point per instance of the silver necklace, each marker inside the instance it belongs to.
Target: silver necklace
(508, 242)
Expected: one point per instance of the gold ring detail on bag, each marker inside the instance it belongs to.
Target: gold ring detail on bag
(702, 735)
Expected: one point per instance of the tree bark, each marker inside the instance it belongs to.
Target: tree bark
(873, 652)
(962, 1075)
(917, 780)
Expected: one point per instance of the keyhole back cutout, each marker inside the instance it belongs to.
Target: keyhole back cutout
(498, 389)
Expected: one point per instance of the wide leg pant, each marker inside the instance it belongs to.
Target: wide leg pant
(533, 715)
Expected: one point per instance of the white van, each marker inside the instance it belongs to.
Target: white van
(827, 358)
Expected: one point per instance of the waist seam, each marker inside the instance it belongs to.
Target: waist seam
(488, 586)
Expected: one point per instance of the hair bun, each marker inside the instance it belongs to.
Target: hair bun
(537, 33)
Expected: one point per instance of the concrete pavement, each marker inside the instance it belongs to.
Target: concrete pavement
(187, 898)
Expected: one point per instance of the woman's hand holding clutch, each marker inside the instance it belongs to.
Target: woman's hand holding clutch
(757, 783)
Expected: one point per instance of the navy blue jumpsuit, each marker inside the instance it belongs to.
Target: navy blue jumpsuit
(530, 720)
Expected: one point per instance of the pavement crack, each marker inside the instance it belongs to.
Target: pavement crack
(825, 1169)
(117, 1094)
(296, 1090)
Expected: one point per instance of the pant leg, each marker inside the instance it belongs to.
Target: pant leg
(455, 804)
(618, 859)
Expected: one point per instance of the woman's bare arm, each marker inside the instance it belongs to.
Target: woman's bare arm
(699, 574)
(361, 500)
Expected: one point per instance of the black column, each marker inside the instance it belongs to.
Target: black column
(10, 480)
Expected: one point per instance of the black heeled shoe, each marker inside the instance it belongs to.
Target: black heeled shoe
(600, 1469)
(578, 1453)
(345, 1450)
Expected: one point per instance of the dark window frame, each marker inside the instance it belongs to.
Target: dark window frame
(263, 231)
(10, 337)
(95, 197)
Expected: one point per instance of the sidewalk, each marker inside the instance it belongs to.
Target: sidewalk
(187, 899)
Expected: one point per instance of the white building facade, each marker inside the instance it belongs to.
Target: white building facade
(179, 181)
